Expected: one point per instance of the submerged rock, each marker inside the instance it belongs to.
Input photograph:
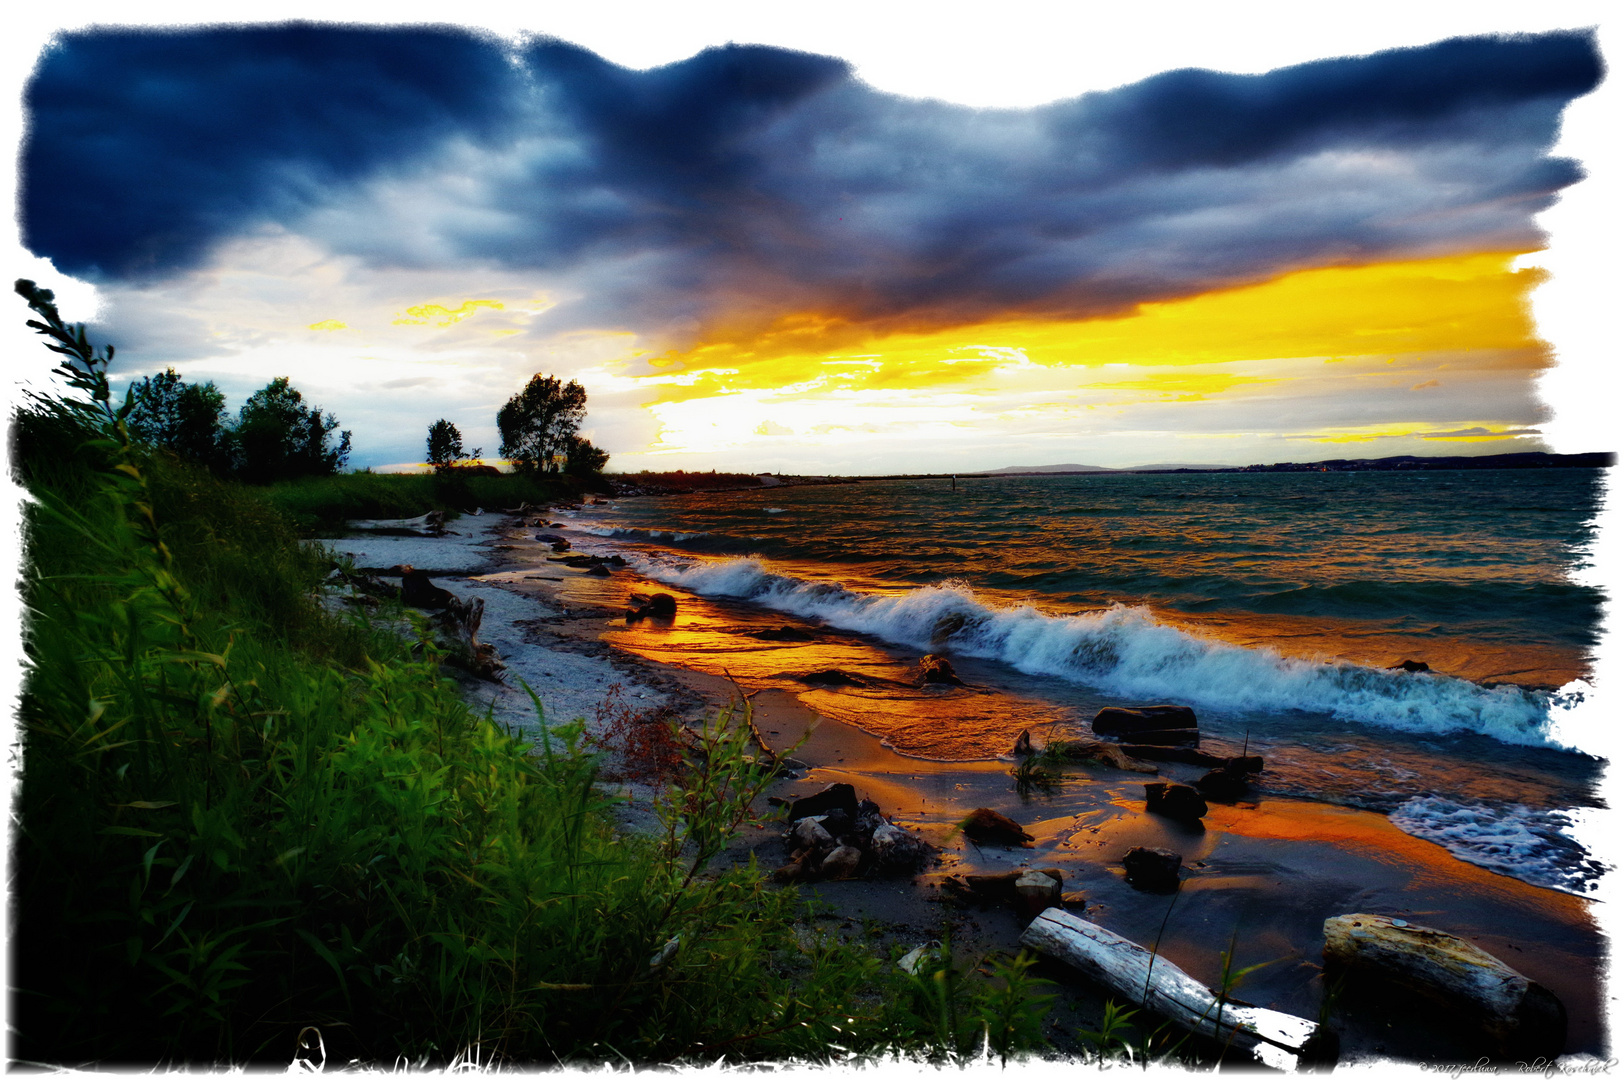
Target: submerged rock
(781, 633)
(1410, 665)
(831, 677)
(659, 606)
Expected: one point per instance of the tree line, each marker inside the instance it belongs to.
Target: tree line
(276, 435)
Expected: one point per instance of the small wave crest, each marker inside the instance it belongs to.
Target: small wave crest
(656, 535)
(1519, 841)
(1126, 651)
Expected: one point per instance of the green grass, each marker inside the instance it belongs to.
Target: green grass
(320, 505)
(245, 823)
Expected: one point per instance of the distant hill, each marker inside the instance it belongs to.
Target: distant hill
(1021, 470)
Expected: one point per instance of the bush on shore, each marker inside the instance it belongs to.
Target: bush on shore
(247, 825)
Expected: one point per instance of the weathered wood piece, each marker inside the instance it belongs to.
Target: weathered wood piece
(1521, 1016)
(1276, 1039)
(430, 524)
(459, 622)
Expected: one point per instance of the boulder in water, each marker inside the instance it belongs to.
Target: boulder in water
(1115, 720)
(1410, 666)
(936, 670)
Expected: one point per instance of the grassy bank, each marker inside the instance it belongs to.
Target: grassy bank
(320, 506)
(247, 825)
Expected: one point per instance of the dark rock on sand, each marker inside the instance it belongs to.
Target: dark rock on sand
(1023, 744)
(1175, 801)
(1152, 868)
(831, 677)
(841, 863)
(986, 826)
(897, 850)
(1224, 785)
(417, 590)
(842, 797)
(936, 670)
(1410, 665)
(561, 545)
(1114, 720)
(781, 633)
(598, 570)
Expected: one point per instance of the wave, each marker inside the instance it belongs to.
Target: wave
(1528, 844)
(1126, 651)
(657, 535)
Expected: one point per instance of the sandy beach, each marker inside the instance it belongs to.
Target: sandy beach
(1265, 873)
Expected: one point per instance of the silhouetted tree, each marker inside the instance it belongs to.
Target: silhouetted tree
(584, 459)
(278, 437)
(445, 446)
(187, 419)
(538, 423)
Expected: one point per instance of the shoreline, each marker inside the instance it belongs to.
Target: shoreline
(1268, 874)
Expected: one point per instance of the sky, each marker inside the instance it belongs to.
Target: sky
(885, 248)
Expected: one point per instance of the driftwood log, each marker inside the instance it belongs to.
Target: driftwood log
(459, 622)
(1278, 1040)
(429, 524)
(1521, 1016)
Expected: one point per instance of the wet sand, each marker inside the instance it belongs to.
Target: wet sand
(1266, 874)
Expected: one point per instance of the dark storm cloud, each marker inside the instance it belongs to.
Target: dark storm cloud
(749, 181)
(144, 147)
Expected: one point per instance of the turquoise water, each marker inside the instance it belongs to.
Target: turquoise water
(1275, 604)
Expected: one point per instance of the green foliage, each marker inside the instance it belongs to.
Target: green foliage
(582, 458)
(279, 437)
(538, 424)
(186, 419)
(321, 505)
(245, 823)
(445, 446)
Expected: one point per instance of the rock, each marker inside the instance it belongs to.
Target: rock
(1035, 891)
(1223, 785)
(1410, 665)
(841, 863)
(549, 538)
(810, 833)
(831, 677)
(417, 590)
(598, 570)
(781, 633)
(834, 797)
(797, 869)
(561, 545)
(986, 826)
(1156, 869)
(1175, 801)
(1023, 744)
(659, 606)
(935, 669)
(895, 849)
(1189, 755)
(1001, 888)
(915, 959)
(1095, 750)
(1113, 720)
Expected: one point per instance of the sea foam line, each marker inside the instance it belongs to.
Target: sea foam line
(1126, 651)
(1525, 843)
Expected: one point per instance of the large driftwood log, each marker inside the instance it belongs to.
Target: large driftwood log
(460, 623)
(1274, 1038)
(1521, 1016)
(429, 524)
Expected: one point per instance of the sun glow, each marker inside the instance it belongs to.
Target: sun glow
(1347, 338)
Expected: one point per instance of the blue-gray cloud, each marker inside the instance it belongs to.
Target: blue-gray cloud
(747, 181)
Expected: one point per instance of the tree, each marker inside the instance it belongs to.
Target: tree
(445, 446)
(538, 423)
(584, 459)
(187, 419)
(278, 437)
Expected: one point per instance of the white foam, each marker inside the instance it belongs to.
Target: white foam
(1535, 846)
(641, 534)
(1126, 651)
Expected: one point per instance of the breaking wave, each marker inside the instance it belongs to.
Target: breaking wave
(1528, 844)
(1126, 651)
